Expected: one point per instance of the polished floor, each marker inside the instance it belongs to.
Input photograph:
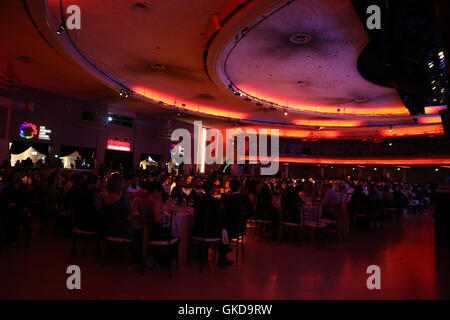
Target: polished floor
(411, 268)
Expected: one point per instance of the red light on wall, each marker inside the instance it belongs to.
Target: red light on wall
(118, 145)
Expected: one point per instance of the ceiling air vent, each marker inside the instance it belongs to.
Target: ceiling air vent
(300, 38)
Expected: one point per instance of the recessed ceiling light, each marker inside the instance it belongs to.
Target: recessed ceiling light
(23, 59)
(300, 38)
(361, 100)
(302, 83)
(157, 67)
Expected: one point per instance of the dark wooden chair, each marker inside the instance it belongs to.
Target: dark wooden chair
(332, 224)
(212, 227)
(239, 238)
(311, 218)
(262, 220)
(80, 235)
(171, 245)
(113, 217)
(290, 219)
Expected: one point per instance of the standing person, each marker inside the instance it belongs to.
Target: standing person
(15, 200)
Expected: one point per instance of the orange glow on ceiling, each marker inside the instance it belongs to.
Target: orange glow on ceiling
(432, 119)
(193, 107)
(370, 161)
(434, 109)
(412, 131)
(328, 123)
(349, 110)
(363, 132)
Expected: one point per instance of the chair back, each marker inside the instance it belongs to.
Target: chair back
(212, 227)
(291, 213)
(310, 213)
(262, 214)
(242, 223)
(114, 220)
(171, 220)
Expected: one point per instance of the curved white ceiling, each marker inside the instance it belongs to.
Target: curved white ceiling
(157, 50)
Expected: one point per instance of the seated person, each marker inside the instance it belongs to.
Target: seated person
(196, 191)
(208, 205)
(114, 206)
(83, 198)
(134, 187)
(329, 202)
(234, 206)
(177, 192)
(290, 205)
(150, 211)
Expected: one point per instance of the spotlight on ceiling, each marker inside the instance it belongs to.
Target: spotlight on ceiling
(110, 118)
(247, 99)
(285, 113)
(124, 92)
(302, 83)
(238, 94)
(300, 38)
(259, 104)
(61, 29)
(390, 128)
(320, 128)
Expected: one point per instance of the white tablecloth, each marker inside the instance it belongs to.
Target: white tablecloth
(182, 225)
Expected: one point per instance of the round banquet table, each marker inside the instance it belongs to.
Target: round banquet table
(182, 225)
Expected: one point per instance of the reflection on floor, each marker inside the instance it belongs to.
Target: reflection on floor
(411, 268)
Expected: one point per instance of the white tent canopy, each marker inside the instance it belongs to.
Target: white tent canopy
(29, 153)
(67, 160)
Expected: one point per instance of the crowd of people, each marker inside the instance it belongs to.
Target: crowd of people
(89, 196)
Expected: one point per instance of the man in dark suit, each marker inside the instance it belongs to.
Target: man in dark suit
(206, 225)
(177, 191)
(196, 192)
(234, 207)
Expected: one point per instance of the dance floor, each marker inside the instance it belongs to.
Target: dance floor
(411, 268)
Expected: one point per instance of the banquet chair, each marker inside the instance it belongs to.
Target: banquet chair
(211, 231)
(290, 219)
(78, 234)
(240, 236)
(262, 219)
(311, 218)
(171, 244)
(111, 218)
(332, 224)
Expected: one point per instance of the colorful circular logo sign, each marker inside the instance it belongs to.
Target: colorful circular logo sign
(28, 130)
